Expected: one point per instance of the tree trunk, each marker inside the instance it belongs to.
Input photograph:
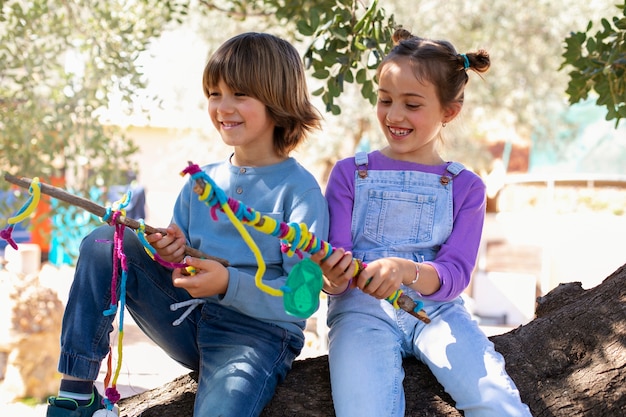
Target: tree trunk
(569, 361)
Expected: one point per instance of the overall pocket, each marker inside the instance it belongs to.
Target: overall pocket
(397, 217)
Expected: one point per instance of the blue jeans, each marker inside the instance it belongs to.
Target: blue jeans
(457, 352)
(240, 359)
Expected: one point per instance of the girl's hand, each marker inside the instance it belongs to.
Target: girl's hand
(382, 277)
(210, 278)
(338, 270)
(169, 245)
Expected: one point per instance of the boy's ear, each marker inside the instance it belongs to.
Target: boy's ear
(452, 111)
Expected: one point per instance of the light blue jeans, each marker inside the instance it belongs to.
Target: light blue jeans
(240, 360)
(367, 348)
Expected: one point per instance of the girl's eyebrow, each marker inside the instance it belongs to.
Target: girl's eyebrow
(382, 90)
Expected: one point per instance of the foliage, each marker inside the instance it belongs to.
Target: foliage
(347, 43)
(61, 63)
(599, 65)
(346, 39)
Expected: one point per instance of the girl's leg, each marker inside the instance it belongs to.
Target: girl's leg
(465, 362)
(366, 370)
(85, 331)
(243, 360)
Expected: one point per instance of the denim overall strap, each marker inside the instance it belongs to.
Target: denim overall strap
(360, 159)
(407, 214)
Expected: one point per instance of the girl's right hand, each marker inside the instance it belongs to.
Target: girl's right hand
(338, 270)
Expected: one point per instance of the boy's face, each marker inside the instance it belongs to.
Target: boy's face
(241, 120)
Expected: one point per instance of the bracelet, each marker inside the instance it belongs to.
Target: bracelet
(417, 274)
(341, 293)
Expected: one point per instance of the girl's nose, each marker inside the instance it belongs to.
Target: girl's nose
(394, 115)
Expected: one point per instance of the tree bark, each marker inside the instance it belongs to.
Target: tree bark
(569, 361)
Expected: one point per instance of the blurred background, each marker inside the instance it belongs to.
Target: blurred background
(104, 98)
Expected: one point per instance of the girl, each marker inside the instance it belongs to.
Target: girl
(240, 340)
(415, 221)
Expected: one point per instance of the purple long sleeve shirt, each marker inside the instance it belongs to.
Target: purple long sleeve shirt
(456, 259)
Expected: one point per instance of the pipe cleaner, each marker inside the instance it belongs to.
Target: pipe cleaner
(304, 282)
(24, 212)
(112, 395)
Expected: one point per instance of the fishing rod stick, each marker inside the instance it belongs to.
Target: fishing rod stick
(270, 226)
(100, 211)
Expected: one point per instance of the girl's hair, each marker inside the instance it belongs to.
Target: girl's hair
(437, 62)
(269, 69)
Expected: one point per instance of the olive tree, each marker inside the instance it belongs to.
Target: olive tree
(599, 65)
(61, 64)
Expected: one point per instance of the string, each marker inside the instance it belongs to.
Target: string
(119, 259)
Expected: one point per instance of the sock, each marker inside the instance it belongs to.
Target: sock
(80, 391)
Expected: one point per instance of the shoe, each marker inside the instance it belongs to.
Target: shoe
(67, 407)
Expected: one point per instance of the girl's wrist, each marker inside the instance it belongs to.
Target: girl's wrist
(417, 274)
(339, 293)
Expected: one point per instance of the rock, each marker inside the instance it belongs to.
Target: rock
(30, 317)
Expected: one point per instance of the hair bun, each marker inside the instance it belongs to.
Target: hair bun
(400, 35)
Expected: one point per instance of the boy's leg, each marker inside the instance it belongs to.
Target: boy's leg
(85, 332)
(149, 293)
(243, 360)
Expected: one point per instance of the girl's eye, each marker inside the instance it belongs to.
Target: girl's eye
(413, 106)
(383, 101)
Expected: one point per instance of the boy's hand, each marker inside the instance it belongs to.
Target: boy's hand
(210, 278)
(169, 245)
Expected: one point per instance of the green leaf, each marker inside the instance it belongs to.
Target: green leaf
(304, 28)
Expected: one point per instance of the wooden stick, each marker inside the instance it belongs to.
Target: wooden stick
(403, 301)
(98, 210)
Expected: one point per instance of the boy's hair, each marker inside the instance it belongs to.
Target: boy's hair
(437, 62)
(269, 69)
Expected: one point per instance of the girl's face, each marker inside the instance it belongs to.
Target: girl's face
(243, 122)
(410, 114)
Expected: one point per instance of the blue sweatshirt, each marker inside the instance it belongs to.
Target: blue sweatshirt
(286, 192)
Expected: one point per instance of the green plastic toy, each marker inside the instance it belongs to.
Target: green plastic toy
(302, 289)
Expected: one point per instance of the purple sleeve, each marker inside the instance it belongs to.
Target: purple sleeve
(340, 197)
(457, 257)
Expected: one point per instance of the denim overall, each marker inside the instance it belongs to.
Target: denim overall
(408, 214)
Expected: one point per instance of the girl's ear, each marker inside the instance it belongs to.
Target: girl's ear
(451, 111)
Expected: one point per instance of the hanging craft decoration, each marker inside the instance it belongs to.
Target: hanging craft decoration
(304, 283)
(93, 208)
(34, 189)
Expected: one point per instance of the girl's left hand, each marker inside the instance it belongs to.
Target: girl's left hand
(382, 277)
(210, 278)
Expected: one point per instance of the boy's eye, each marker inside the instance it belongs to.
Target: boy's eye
(240, 94)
